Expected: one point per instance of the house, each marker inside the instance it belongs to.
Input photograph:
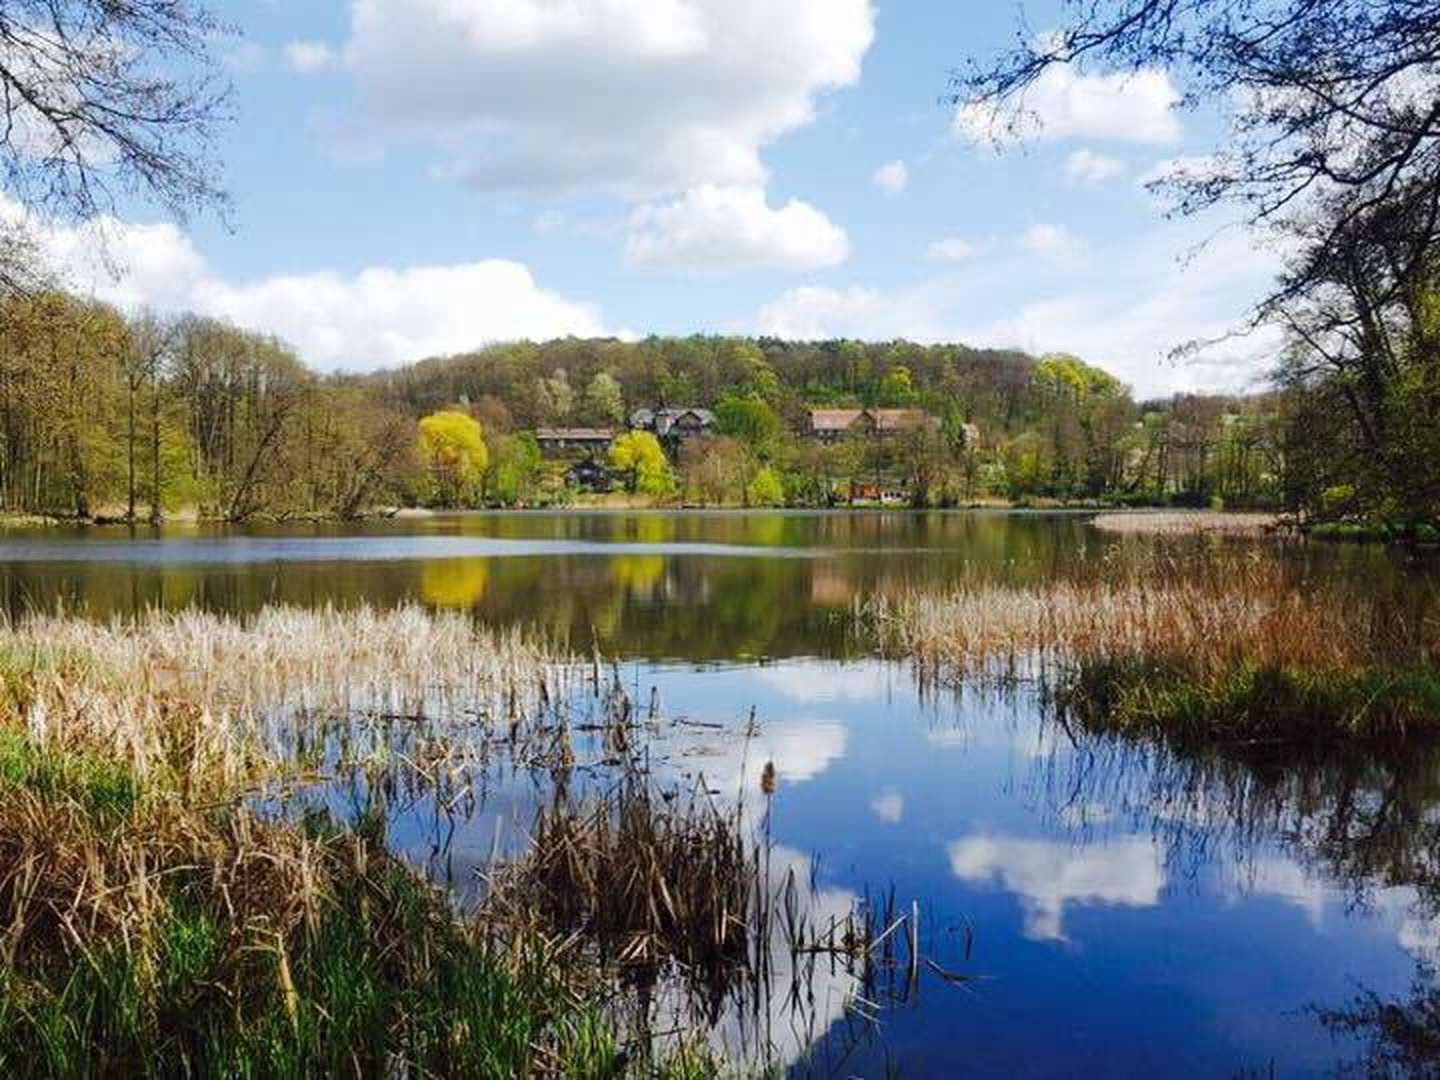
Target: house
(673, 423)
(590, 475)
(559, 440)
(831, 425)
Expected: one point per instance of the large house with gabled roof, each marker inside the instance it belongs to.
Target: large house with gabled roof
(832, 425)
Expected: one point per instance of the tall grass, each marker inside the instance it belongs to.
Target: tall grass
(154, 922)
(197, 696)
(1230, 649)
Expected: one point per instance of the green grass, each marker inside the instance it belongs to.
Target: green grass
(378, 978)
(1250, 701)
(100, 787)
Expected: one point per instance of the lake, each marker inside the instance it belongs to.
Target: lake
(1113, 907)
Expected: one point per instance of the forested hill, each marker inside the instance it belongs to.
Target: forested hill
(555, 382)
(143, 417)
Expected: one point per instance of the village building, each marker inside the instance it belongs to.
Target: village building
(565, 440)
(832, 425)
(673, 423)
(590, 475)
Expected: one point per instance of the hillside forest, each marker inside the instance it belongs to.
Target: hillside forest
(145, 417)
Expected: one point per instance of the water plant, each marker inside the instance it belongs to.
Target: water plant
(1211, 648)
(184, 892)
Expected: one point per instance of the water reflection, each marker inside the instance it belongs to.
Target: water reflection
(1049, 875)
(703, 586)
(1180, 911)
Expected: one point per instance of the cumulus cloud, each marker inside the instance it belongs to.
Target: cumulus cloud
(1051, 241)
(1134, 303)
(645, 98)
(380, 315)
(716, 227)
(813, 311)
(950, 249)
(307, 56)
(813, 682)
(1048, 877)
(1088, 167)
(1137, 107)
(892, 177)
(889, 807)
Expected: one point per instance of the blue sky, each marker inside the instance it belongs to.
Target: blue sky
(421, 176)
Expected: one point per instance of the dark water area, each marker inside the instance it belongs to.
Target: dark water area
(652, 586)
(1116, 908)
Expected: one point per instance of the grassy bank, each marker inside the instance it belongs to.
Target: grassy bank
(156, 923)
(1228, 651)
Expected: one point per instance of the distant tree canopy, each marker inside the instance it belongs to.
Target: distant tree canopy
(452, 449)
(138, 418)
(1333, 110)
(638, 456)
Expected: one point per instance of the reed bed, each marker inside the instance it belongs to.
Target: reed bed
(1233, 649)
(648, 877)
(213, 700)
(1193, 523)
(154, 921)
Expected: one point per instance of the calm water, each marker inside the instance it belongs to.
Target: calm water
(1131, 912)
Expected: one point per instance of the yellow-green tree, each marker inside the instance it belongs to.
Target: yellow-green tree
(765, 489)
(637, 454)
(452, 450)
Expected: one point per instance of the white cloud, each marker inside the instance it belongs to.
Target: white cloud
(892, 177)
(1051, 242)
(641, 97)
(1048, 877)
(1088, 167)
(1134, 303)
(381, 315)
(730, 228)
(307, 56)
(812, 311)
(950, 249)
(1064, 104)
(815, 682)
(889, 807)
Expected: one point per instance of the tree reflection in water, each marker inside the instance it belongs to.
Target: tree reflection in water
(1365, 823)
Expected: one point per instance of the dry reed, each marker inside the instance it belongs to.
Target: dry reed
(1227, 642)
(198, 694)
(1193, 523)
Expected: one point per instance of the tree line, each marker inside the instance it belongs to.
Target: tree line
(138, 418)
(1333, 152)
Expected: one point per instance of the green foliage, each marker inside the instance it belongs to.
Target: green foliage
(1248, 700)
(515, 470)
(765, 489)
(896, 388)
(151, 417)
(638, 456)
(98, 786)
(1064, 375)
(452, 450)
(604, 399)
(749, 418)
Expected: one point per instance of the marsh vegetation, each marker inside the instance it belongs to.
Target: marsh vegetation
(1212, 644)
(196, 874)
(465, 837)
